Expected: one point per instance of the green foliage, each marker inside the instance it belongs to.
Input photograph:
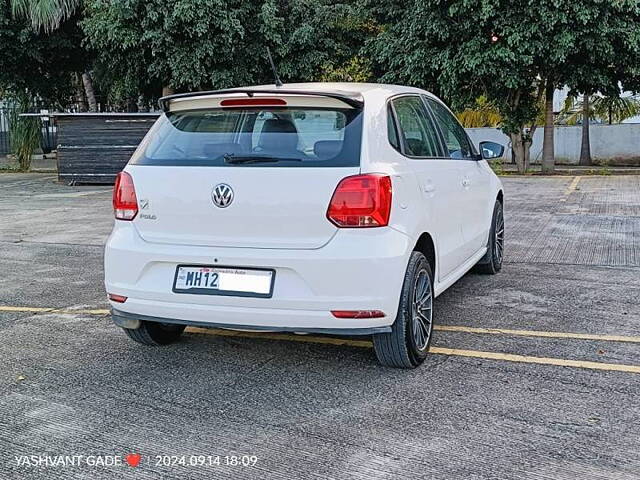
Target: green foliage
(482, 114)
(203, 44)
(506, 50)
(461, 49)
(446, 46)
(358, 69)
(38, 63)
(615, 108)
(606, 109)
(45, 14)
(497, 165)
(25, 132)
(184, 44)
(604, 48)
(321, 39)
(498, 51)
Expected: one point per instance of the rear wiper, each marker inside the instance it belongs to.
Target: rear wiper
(233, 159)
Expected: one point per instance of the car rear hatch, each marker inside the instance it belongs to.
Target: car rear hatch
(245, 171)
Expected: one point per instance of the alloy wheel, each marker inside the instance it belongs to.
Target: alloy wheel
(498, 244)
(422, 311)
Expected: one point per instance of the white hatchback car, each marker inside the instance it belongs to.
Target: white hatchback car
(333, 208)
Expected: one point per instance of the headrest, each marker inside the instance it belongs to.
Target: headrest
(279, 125)
(279, 135)
(327, 148)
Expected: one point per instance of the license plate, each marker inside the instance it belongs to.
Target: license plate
(223, 281)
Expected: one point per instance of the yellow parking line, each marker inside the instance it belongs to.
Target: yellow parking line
(64, 311)
(538, 333)
(509, 357)
(442, 328)
(571, 188)
(85, 312)
(4, 308)
(561, 362)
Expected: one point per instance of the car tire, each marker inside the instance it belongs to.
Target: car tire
(407, 344)
(491, 263)
(154, 333)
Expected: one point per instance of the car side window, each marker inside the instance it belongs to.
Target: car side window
(419, 135)
(392, 132)
(455, 138)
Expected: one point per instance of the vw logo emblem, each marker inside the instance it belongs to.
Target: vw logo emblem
(222, 195)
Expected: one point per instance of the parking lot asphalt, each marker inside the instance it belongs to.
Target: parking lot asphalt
(535, 372)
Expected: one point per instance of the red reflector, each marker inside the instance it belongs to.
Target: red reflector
(361, 201)
(252, 102)
(125, 203)
(357, 313)
(117, 298)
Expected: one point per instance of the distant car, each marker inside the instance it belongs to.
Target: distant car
(332, 208)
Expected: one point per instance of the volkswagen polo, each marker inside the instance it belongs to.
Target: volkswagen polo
(328, 208)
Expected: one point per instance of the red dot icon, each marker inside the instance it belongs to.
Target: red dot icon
(133, 459)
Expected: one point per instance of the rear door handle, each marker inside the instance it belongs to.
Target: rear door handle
(429, 187)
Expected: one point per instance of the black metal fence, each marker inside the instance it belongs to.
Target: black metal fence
(48, 136)
(94, 147)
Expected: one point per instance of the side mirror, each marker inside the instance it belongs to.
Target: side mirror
(491, 150)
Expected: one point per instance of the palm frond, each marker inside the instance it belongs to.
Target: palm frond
(616, 109)
(572, 112)
(484, 114)
(607, 109)
(44, 14)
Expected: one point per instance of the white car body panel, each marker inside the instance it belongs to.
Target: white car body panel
(309, 283)
(278, 221)
(272, 207)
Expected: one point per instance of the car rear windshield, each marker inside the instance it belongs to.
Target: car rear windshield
(264, 136)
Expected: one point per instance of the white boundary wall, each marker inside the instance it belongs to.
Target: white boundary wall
(610, 144)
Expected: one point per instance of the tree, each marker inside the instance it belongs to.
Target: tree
(49, 15)
(320, 40)
(548, 150)
(35, 68)
(187, 45)
(36, 64)
(585, 141)
(509, 50)
(615, 108)
(462, 50)
(200, 44)
(605, 56)
(606, 109)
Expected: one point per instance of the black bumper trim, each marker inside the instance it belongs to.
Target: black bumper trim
(131, 320)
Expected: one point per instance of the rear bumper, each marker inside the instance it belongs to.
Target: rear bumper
(356, 270)
(132, 320)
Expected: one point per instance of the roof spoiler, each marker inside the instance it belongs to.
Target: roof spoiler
(351, 99)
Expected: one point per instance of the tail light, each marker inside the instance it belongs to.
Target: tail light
(361, 201)
(357, 313)
(125, 203)
(253, 102)
(117, 298)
